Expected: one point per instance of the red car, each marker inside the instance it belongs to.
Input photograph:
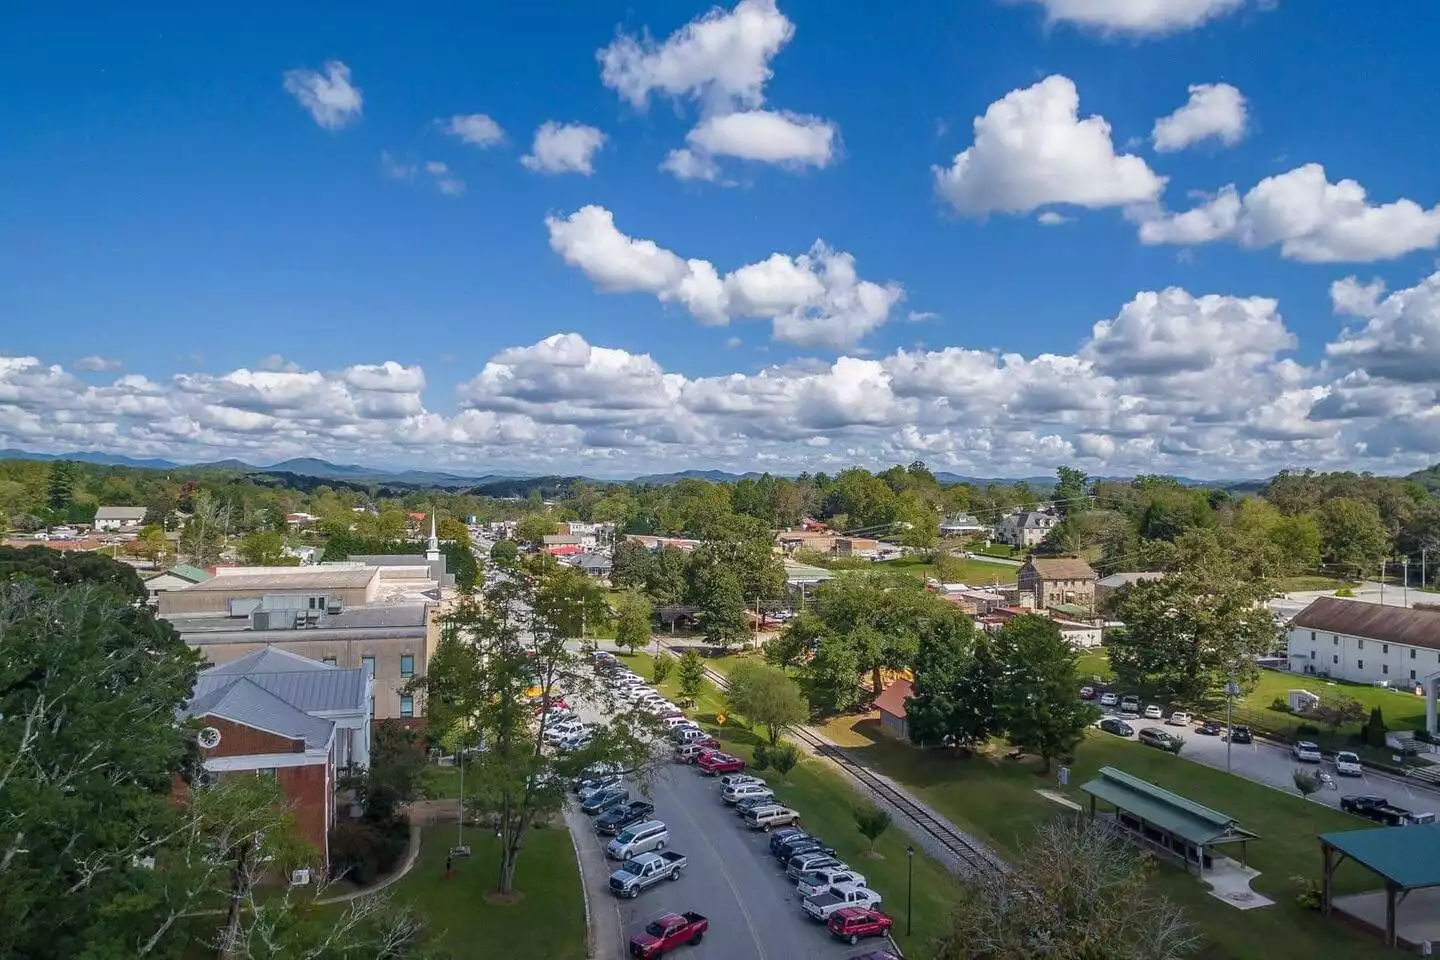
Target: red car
(717, 763)
(853, 923)
(666, 933)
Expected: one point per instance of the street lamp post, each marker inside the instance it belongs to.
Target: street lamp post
(909, 887)
(1231, 689)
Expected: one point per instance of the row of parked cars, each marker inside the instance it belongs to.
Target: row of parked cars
(830, 891)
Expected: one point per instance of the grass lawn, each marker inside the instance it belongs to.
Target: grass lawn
(548, 921)
(826, 800)
(1402, 710)
(1094, 662)
(977, 573)
(441, 783)
(1296, 584)
(996, 799)
(1002, 550)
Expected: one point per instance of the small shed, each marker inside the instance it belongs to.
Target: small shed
(1408, 860)
(1164, 821)
(891, 704)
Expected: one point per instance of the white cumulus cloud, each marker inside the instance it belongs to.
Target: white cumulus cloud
(1215, 110)
(98, 364)
(765, 135)
(1031, 148)
(1137, 17)
(476, 129)
(329, 96)
(1307, 216)
(564, 148)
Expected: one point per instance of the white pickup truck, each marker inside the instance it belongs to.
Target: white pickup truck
(646, 870)
(839, 895)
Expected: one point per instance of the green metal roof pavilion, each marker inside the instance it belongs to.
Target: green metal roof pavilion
(1406, 858)
(1168, 812)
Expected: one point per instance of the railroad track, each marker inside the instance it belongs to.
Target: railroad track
(972, 859)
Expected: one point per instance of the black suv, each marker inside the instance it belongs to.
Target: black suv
(1240, 735)
(797, 845)
(613, 821)
(783, 836)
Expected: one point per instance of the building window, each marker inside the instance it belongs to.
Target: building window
(1312, 636)
(1412, 653)
(1335, 659)
(407, 706)
(1312, 654)
(369, 664)
(407, 664)
(330, 660)
(1385, 669)
(1359, 644)
(1384, 648)
(1334, 641)
(1412, 674)
(1359, 664)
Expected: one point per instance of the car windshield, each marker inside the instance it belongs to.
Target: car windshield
(1347, 758)
(625, 837)
(655, 929)
(632, 866)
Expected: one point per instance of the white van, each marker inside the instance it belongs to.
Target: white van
(772, 815)
(638, 838)
(739, 791)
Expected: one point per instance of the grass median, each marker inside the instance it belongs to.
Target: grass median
(547, 920)
(826, 800)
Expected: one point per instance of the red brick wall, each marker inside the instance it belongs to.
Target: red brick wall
(237, 740)
(307, 792)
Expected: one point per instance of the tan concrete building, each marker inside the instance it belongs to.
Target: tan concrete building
(240, 590)
(1058, 580)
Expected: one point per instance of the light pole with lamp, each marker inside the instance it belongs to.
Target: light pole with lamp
(1231, 690)
(909, 887)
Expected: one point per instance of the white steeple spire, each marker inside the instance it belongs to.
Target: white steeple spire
(432, 552)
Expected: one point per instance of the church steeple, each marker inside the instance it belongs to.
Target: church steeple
(432, 552)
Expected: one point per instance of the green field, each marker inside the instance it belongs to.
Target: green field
(977, 573)
(441, 783)
(995, 798)
(547, 922)
(826, 800)
(1297, 584)
(1402, 710)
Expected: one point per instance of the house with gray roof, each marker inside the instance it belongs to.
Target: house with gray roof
(114, 519)
(278, 714)
(1025, 528)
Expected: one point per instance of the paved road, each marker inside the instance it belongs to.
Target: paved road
(731, 879)
(1274, 766)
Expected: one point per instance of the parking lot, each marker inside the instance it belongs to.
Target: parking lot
(731, 878)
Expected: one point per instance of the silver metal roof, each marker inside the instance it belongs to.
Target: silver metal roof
(242, 700)
(305, 684)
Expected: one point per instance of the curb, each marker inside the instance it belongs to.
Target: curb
(584, 893)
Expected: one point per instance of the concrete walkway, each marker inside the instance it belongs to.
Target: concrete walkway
(412, 853)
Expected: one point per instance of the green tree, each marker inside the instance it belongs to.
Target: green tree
(662, 667)
(1352, 535)
(632, 620)
(630, 564)
(1306, 781)
(692, 675)
(395, 773)
(1190, 633)
(504, 553)
(764, 695)
(953, 701)
(665, 576)
(207, 530)
(795, 642)
(1339, 709)
(64, 476)
(1069, 489)
(830, 676)
(1037, 696)
(722, 611)
(264, 548)
(1375, 728)
(782, 759)
(452, 530)
(154, 546)
(533, 528)
(1079, 889)
(572, 601)
(872, 822)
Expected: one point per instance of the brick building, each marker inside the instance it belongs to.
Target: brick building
(1058, 580)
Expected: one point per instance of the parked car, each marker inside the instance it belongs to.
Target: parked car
(1306, 751)
(1240, 734)
(616, 819)
(1087, 693)
(603, 800)
(805, 862)
(1347, 764)
(814, 882)
(665, 933)
(1160, 738)
(649, 836)
(853, 924)
(877, 955)
(1383, 811)
(592, 775)
(730, 779)
(740, 791)
(1179, 718)
(1129, 703)
(804, 843)
(1108, 700)
(687, 732)
(838, 897)
(688, 752)
(717, 763)
(1211, 728)
(768, 817)
(1116, 726)
(744, 806)
(593, 785)
(1153, 712)
(646, 870)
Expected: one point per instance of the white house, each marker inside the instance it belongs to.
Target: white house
(1028, 528)
(960, 524)
(1365, 642)
(119, 518)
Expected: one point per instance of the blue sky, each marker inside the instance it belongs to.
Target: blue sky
(233, 270)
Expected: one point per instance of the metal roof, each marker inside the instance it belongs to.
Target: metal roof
(1408, 857)
(243, 701)
(1372, 621)
(120, 513)
(1171, 812)
(892, 698)
(305, 684)
(186, 572)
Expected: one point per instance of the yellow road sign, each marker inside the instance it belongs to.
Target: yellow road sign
(720, 719)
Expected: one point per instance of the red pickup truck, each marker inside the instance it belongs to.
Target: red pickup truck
(718, 763)
(668, 932)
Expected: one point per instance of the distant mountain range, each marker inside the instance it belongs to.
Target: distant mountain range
(325, 470)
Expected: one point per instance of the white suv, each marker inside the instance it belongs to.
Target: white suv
(1307, 751)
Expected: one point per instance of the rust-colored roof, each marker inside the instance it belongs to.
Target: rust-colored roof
(1372, 621)
(1062, 568)
(892, 698)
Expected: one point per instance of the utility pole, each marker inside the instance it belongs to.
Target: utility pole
(1422, 568)
(1406, 567)
(1382, 582)
(1231, 689)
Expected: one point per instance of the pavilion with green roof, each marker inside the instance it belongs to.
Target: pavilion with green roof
(1165, 821)
(1406, 858)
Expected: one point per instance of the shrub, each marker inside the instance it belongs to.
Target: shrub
(762, 758)
(1280, 704)
(361, 850)
(1375, 728)
(1307, 730)
(1311, 895)
(1344, 592)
